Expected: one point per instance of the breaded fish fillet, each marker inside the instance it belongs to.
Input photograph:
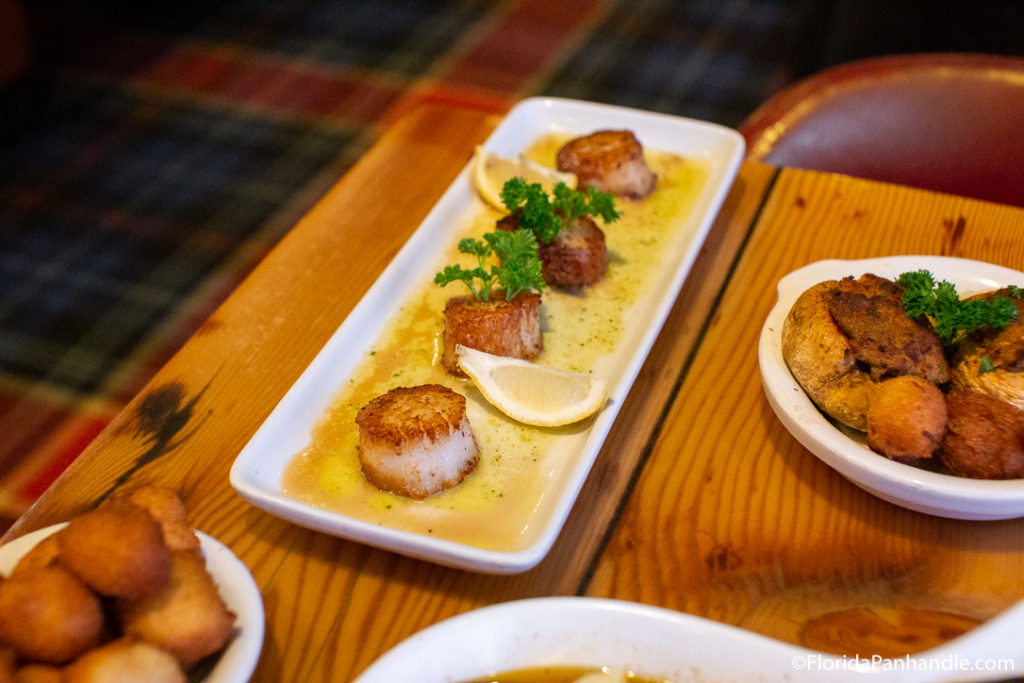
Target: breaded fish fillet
(416, 441)
(611, 161)
(504, 328)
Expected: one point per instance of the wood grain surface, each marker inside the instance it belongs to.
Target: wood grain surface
(766, 536)
(699, 501)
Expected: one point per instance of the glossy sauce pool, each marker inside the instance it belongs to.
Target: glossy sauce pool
(494, 506)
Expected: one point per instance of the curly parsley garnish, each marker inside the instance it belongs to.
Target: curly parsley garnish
(953, 318)
(545, 215)
(519, 269)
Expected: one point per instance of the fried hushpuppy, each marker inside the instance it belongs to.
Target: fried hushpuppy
(416, 441)
(576, 257)
(164, 505)
(610, 161)
(42, 554)
(125, 660)
(8, 660)
(39, 673)
(906, 418)
(49, 615)
(187, 617)
(984, 437)
(117, 549)
(501, 327)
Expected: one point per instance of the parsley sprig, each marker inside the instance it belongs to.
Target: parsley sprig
(545, 215)
(518, 270)
(953, 318)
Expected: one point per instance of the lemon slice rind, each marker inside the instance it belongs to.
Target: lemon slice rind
(491, 171)
(533, 394)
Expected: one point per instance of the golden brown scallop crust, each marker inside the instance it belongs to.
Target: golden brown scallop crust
(416, 441)
(405, 414)
(503, 328)
(610, 161)
(576, 257)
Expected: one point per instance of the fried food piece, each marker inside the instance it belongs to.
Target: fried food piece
(416, 441)
(819, 356)
(984, 437)
(39, 673)
(576, 257)
(164, 505)
(125, 660)
(1003, 350)
(906, 418)
(49, 615)
(504, 328)
(42, 554)
(8, 660)
(187, 617)
(117, 549)
(610, 161)
(837, 351)
(881, 335)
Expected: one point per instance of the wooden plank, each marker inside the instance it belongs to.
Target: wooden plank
(332, 606)
(732, 519)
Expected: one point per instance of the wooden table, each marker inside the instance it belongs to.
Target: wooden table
(699, 501)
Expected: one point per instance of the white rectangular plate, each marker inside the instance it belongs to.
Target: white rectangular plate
(257, 472)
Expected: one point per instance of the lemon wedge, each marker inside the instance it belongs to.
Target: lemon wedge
(530, 393)
(491, 171)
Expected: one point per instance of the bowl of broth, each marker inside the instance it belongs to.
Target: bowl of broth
(594, 640)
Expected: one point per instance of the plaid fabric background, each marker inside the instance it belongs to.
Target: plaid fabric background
(156, 153)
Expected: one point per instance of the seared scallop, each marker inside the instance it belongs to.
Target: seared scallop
(416, 441)
(576, 257)
(504, 328)
(610, 161)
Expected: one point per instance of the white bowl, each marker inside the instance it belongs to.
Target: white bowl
(653, 641)
(236, 585)
(935, 493)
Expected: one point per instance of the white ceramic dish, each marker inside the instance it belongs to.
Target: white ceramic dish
(652, 641)
(257, 472)
(237, 587)
(931, 492)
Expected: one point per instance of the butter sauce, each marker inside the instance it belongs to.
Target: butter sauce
(496, 504)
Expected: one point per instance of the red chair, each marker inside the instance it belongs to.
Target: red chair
(947, 122)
